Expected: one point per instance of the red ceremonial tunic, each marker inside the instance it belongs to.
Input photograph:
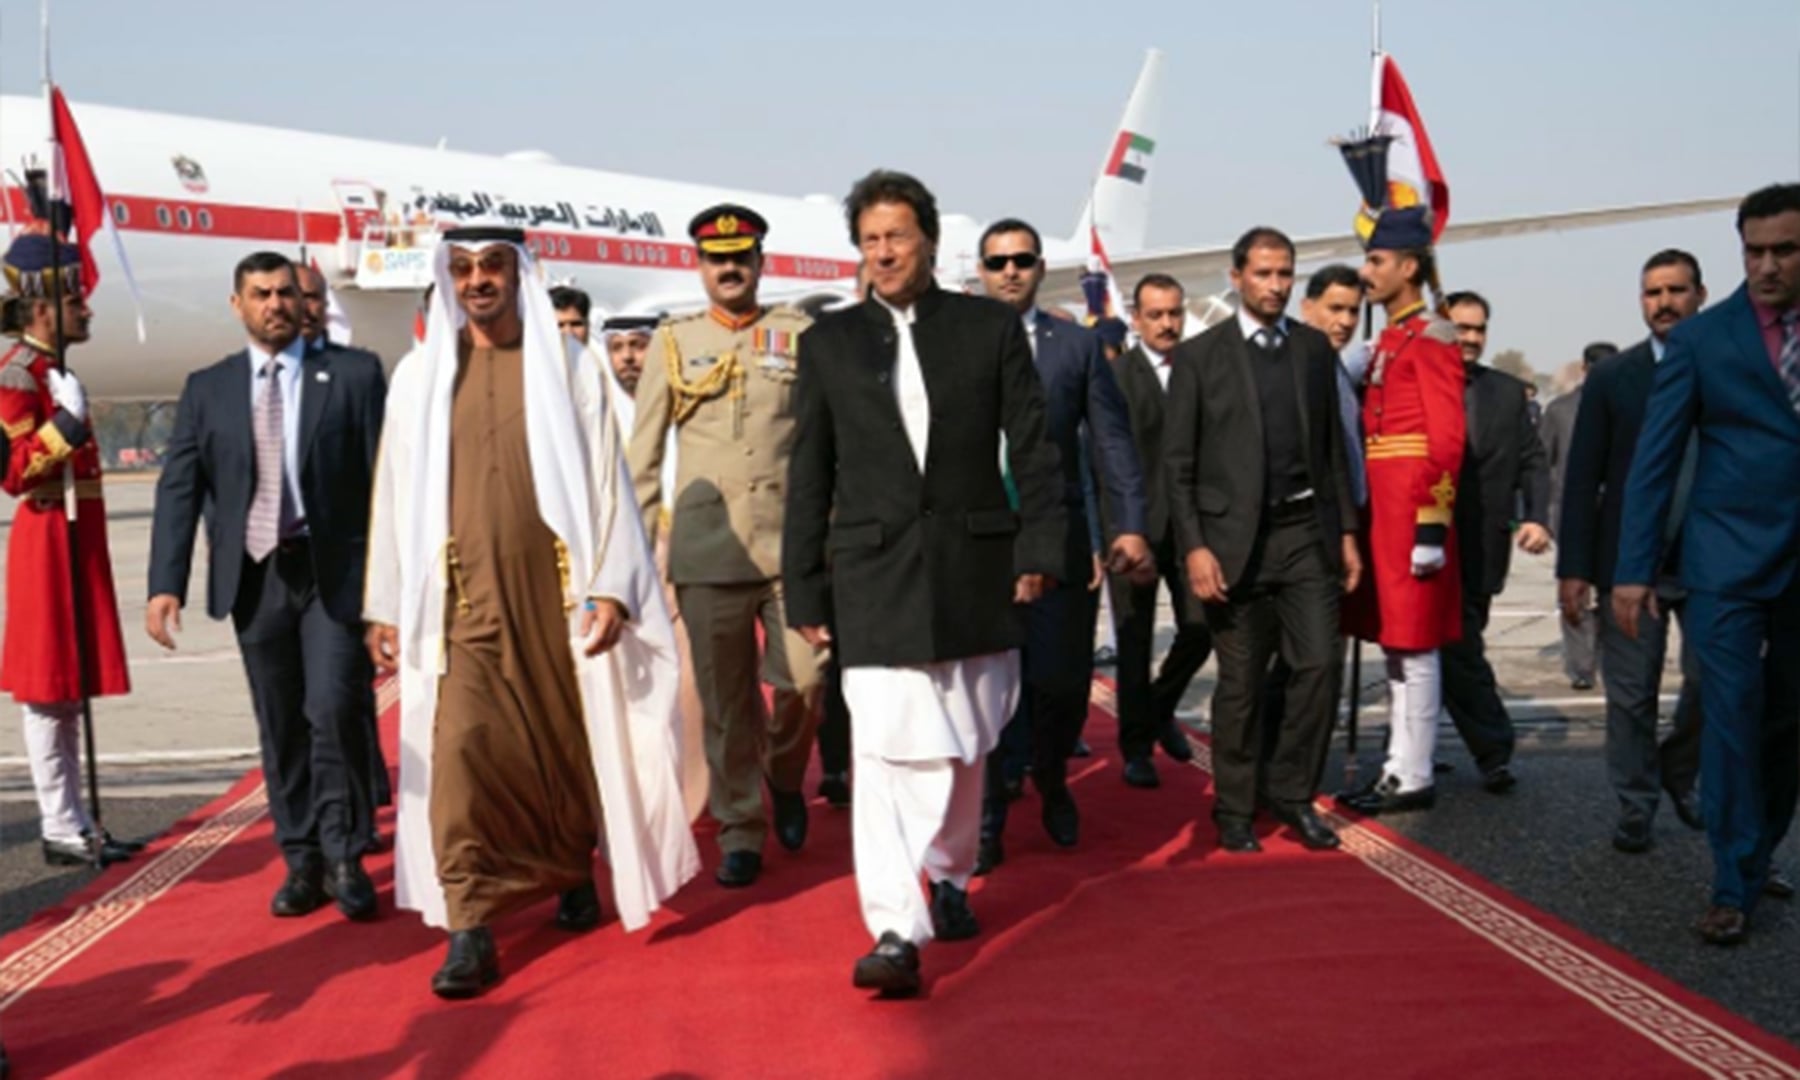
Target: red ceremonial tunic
(38, 660)
(1413, 427)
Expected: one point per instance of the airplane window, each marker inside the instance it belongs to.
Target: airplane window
(562, 246)
(206, 220)
(121, 214)
(185, 218)
(162, 216)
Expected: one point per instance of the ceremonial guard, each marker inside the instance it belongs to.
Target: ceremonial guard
(724, 380)
(1413, 426)
(53, 463)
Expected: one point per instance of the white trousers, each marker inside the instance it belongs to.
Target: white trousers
(908, 817)
(1415, 696)
(53, 745)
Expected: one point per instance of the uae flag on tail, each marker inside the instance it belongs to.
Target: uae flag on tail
(1131, 157)
(73, 181)
(1414, 178)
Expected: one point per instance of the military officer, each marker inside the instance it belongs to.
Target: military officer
(724, 380)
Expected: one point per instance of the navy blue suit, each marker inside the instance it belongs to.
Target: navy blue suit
(1080, 396)
(1740, 543)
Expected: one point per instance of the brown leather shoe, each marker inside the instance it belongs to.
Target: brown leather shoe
(1721, 926)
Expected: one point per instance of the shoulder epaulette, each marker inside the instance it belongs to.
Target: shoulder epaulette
(790, 313)
(15, 374)
(1440, 330)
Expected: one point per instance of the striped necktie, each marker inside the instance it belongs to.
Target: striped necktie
(1789, 363)
(263, 530)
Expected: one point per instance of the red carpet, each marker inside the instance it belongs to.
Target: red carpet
(1144, 951)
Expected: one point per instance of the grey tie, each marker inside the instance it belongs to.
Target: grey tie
(263, 530)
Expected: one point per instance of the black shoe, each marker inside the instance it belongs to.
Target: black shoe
(348, 884)
(303, 892)
(790, 818)
(472, 966)
(738, 869)
(991, 854)
(1013, 788)
(1385, 797)
(1779, 886)
(834, 788)
(1237, 837)
(1174, 742)
(1141, 773)
(951, 919)
(1687, 808)
(1442, 768)
(1106, 656)
(1082, 749)
(82, 852)
(1581, 682)
(1632, 835)
(891, 968)
(1311, 828)
(579, 909)
(1498, 780)
(1061, 818)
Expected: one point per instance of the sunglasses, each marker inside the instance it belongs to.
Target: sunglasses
(1024, 260)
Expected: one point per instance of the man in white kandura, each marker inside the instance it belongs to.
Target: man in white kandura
(511, 585)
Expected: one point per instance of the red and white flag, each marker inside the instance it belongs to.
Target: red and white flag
(72, 179)
(1414, 178)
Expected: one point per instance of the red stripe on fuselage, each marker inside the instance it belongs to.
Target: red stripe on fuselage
(191, 217)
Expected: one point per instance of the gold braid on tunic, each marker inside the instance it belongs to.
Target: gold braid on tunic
(727, 373)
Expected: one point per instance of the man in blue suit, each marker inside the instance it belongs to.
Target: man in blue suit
(1080, 395)
(1731, 379)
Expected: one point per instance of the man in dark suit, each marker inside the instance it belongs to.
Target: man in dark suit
(1605, 437)
(1266, 521)
(1580, 638)
(1503, 462)
(1081, 398)
(1146, 706)
(1731, 376)
(898, 535)
(275, 447)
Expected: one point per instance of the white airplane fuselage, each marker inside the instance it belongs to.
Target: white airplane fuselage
(191, 197)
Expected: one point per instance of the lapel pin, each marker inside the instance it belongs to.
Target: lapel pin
(323, 376)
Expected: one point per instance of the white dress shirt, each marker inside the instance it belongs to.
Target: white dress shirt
(1159, 364)
(293, 509)
(1251, 327)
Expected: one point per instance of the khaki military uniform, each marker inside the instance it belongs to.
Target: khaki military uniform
(728, 391)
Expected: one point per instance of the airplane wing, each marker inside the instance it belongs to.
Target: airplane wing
(1196, 267)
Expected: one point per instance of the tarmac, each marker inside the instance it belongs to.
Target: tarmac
(185, 733)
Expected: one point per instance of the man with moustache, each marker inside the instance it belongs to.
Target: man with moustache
(723, 380)
(1147, 706)
(1083, 409)
(900, 538)
(1266, 522)
(1601, 448)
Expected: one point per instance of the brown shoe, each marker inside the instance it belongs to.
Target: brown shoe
(1721, 926)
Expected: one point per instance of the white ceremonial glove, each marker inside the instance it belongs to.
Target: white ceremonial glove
(1427, 559)
(66, 389)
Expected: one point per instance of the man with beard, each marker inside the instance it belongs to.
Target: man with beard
(900, 539)
(723, 380)
(511, 587)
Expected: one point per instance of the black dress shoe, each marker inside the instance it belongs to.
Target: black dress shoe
(1238, 837)
(790, 818)
(891, 968)
(1687, 808)
(472, 966)
(1061, 818)
(1384, 796)
(1632, 835)
(991, 854)
(951, 919)
(1013, 788)
(1082, 749)
(1140, 772)
(1311, 828)
(834, 788)
(1581, 682)
(579, 909)
(1106, 656)
(82, 852)
(1174, 742)
(1498, 780)
(738, 869)
(303, 892)
(1779, 886)
(348, 884)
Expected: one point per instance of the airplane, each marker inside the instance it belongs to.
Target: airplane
(191, 196)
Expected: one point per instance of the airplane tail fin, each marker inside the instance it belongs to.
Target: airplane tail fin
(1118, 208)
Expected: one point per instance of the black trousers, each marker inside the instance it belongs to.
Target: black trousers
(1146, 705)
(1056, 675)
(1286, 605)
(1470, 694)
(312, 689)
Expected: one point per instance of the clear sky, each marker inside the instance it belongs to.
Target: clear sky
(1534, 106)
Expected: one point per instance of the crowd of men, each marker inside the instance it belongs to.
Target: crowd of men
(899, 516)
